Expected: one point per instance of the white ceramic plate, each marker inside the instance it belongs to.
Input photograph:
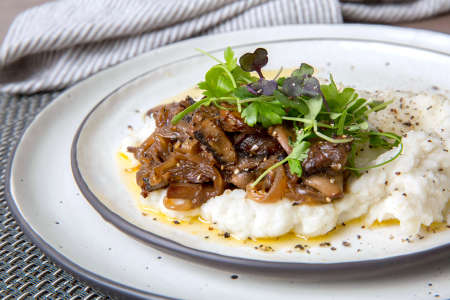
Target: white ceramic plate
(51, 210)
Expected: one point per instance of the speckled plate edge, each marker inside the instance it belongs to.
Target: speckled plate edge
(406, 37)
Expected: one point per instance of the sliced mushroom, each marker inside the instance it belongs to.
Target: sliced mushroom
(242, 178)
(215, 140)
(304, 194)
(282, 134)
(330, 186)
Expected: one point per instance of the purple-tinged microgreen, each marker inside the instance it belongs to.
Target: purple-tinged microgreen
(292, 87)
(254, 61)
(305, 70)
(311, 87)
(263, 87)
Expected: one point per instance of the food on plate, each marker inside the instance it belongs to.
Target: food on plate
(261, 157)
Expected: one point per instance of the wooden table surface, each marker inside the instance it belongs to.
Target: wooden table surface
(10, 8)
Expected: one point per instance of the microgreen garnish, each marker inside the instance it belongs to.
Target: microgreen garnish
(376, 140)
(301, 83)
(305, 70)
(316, 111)
(266, 113)
(263, 87)
(254, 61)
(294, 103)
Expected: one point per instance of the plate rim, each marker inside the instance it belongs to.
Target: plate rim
(115, 287)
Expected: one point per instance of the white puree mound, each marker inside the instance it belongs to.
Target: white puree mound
(413, 189)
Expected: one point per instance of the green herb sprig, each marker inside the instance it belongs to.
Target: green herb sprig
(317, 111)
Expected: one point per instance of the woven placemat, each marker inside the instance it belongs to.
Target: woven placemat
(25, 272)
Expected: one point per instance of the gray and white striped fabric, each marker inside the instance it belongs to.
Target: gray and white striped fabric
(403, 11)
(59, 43)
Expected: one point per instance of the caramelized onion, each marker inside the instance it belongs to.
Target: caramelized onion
(161, 172)
(282, 135)
(190, 146)
(276, 191)
(184, 196)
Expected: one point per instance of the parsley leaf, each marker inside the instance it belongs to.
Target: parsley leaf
(295, 166)
(295, 103)
(250, 114)
(242, 77)
(299, 152)
(314, 106)
(338, 101)
(217, 82)
(242, 92)
(330, 92)
(230, 60)
(266, 113)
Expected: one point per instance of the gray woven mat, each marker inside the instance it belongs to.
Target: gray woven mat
(25, 272)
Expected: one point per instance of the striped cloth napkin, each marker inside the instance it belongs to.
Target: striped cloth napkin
(54, 45)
